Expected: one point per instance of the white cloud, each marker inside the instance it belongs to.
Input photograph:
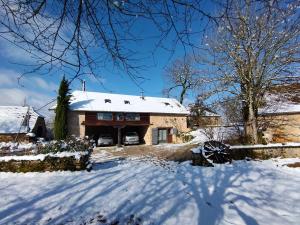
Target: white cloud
(36, 91)
(14, 53)
(41, 83)
(8, 77)
(17, 96)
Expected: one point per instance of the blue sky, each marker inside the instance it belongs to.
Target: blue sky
(37, 89)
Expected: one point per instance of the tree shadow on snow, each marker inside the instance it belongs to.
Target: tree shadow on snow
(157, 194)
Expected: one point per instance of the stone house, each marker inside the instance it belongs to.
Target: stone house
(279, 119)
(20, 123)
(156, 120)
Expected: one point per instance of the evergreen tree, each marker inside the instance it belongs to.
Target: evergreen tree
(60, 122)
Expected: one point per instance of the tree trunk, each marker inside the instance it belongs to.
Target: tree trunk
(250, 123)
(182, 94)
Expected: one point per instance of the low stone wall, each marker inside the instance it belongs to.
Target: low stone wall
(50, 163)
(12, 137)
(265, 152)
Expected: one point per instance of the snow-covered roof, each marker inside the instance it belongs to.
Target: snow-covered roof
(204, 112)
(278, 104)
(209, 113)
(12, 119)
(106, 102)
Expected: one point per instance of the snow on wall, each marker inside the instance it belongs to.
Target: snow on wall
(43, 156)
(96, 101)
(11, 118)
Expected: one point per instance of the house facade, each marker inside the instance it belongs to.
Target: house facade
(281, 127)
(19, 123)
(279, 119)
(156, 120)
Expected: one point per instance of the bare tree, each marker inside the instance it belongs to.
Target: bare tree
(182, 76)
(81, 36)
(255, 45)
(232, 110)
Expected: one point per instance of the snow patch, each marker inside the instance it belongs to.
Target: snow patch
(41, 157)
(270, 145)
(15, 147)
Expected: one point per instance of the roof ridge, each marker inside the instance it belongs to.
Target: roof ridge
(98, 92)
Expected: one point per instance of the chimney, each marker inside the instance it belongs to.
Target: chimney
(83, 85)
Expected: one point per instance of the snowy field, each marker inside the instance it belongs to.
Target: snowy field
(245, 192)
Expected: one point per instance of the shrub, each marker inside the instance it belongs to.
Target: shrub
(61, 111)
(71, 144)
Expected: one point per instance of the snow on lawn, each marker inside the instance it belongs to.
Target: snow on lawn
(254, 192)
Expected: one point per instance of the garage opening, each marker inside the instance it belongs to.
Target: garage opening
(141, 131)
(94, 132)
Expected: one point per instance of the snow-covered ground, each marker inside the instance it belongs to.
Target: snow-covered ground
(245, 192)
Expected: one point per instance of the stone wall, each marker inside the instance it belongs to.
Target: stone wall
(281, 128)
(12, 137)
(265, 152)
(167, 121)
(48, 164)
(75, 126)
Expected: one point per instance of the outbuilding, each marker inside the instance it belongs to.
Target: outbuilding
(20, 123)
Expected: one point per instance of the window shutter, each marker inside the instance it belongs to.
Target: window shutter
(174, 131)
(154, 136)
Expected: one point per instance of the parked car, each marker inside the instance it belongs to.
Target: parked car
(105, 139)
(131, 138)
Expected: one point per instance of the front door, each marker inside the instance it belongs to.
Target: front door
(162, 136)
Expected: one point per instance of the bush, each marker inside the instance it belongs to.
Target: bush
(71, 144)
(50, 163)
(186, 137)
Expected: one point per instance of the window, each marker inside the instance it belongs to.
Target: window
(119, 116)
(104, 116)
(107, 100)
(166, 103)
(133, 117)
(126, 102)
